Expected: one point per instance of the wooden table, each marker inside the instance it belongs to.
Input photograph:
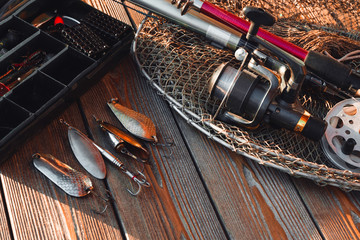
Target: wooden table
(201, 191)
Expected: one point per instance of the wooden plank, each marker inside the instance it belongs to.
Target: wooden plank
(112, 8)
(132, 15)
(4, 226)
(136, 13)
(253, 202)
(176, 206)
(337, 213)
(40, 210)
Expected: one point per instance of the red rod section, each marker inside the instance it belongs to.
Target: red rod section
(3, 89)
(242, 25)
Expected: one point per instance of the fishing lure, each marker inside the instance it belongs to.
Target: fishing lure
(124, 142)
(71, 181)
(86, 153)
(42, 19)
(136, 123)
(140, 181)
(19, 71)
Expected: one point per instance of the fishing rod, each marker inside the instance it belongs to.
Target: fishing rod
(227, 29)
(324, 66)
(264, 88)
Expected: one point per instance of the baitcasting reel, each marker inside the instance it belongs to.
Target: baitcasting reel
(268, 91)
(341, 141)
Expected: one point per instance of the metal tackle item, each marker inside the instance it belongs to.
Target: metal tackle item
(323, 66)
(226, 29)
(136, 123)
(42, 19)
(139, 181)
(217, 33)
(86, 153)
(19, 71)
(124, 142)
(341, 139)
(249, 98)
(109, 156)
(71, 181)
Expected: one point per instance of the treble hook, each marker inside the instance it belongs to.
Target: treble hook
(102, 198)
(139, 181)
(169, 142)
(119, 164)
(109, 156)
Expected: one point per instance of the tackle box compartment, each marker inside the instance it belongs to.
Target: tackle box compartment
(50, 51)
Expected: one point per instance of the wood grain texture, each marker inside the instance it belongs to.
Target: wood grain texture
(112, 8)
(136, 13)
(177, 205)
(115, 9)
(201, 191)
(40, 210)
(337, 213)
(4, 227)
(254, 202)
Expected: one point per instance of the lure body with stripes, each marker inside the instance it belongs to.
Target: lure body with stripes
(136, 123)
(71, 181)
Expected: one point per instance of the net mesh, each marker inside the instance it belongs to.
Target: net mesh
(180, 63)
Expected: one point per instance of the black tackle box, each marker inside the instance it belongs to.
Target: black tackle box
(49, 51)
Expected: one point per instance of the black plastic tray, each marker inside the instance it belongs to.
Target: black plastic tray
(66, 68)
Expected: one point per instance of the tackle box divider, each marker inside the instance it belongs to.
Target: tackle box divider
(66, 72)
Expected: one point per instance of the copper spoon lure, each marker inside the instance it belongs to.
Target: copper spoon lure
(136, 123)
(124, 142)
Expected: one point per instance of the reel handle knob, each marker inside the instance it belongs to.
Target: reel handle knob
(348, 146)
(257, 17)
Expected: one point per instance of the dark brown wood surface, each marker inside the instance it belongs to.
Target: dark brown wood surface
(200, 191)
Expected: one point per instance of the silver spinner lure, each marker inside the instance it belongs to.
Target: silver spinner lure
(71, 181)
(138, 178)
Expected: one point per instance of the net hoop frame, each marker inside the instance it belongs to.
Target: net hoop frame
(334, 177)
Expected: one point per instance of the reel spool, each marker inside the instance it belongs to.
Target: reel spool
(341, 141)
(251, 98)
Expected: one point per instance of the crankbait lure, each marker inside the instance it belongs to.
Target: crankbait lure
(124, 142)
(71, 181)
(86, 153)
(136, 123)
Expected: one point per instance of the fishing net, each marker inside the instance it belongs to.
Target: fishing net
(179, 64)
